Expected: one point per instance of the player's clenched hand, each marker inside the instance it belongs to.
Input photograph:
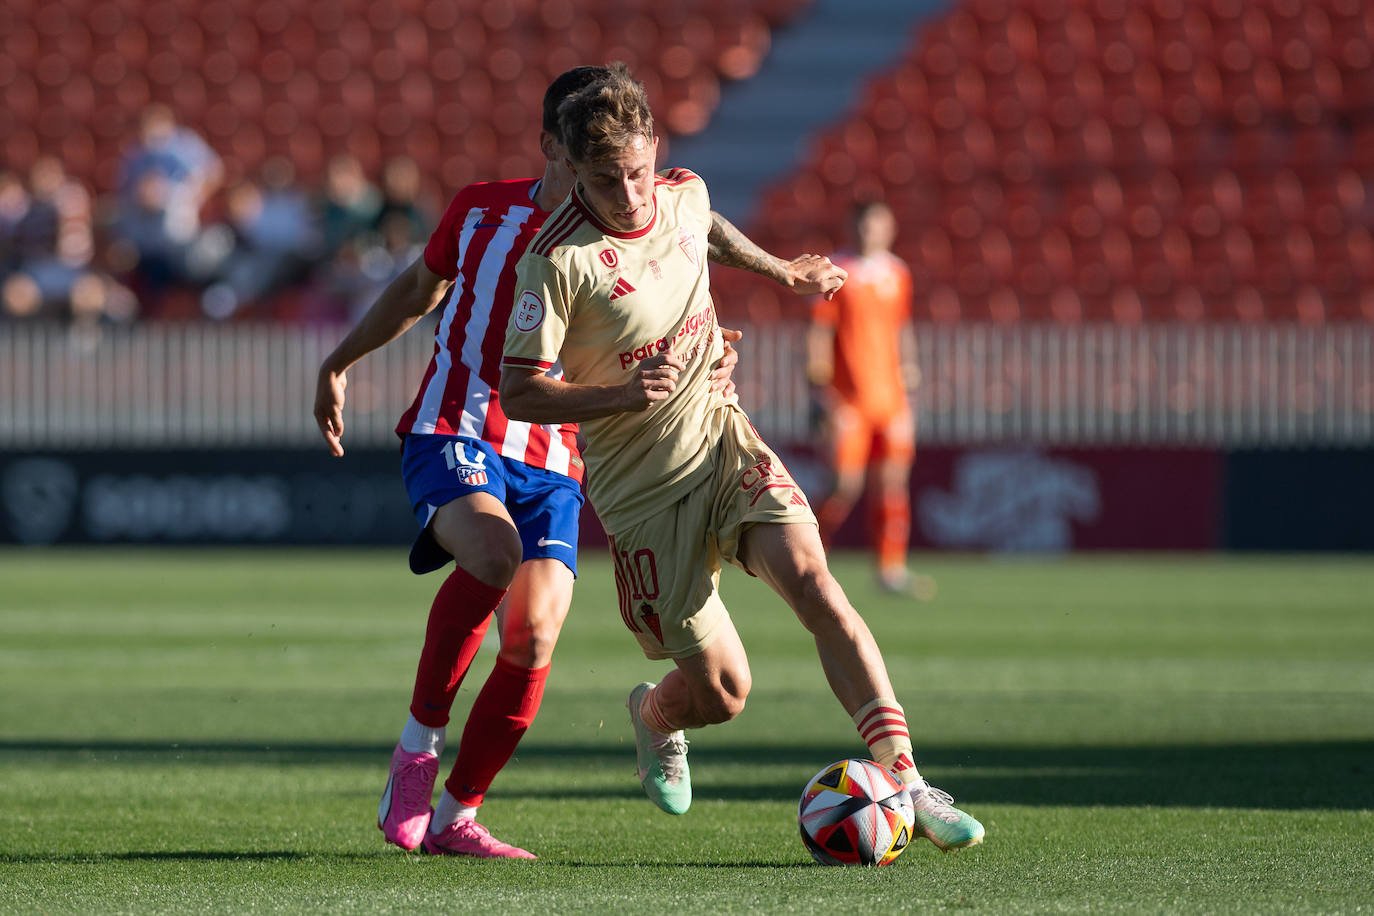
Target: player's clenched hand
(653, 380)
(721, 375)
(815, 275)
(329, 401)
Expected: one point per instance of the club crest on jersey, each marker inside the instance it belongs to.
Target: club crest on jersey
(622, 288)
(688, 243)
(529, 311)
(657, 271)
(608, 257)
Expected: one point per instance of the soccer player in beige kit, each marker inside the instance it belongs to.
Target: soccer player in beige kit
(615, 292)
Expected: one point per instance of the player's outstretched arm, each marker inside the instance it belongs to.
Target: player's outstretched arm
(532, 396)
(806, 275)
(405, 300)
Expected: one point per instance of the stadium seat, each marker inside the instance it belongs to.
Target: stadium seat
(741, 44)
(1245, 305)
(942, 305)
(1066, 306)
(1004, 306)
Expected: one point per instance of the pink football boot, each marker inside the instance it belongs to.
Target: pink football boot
(466, 837)
(403, 815)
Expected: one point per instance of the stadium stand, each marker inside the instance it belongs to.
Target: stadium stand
(1050, 160)
(295, 78)
(1105, 160)
(286, 88)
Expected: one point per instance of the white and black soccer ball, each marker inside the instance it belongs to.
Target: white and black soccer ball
(856, 812)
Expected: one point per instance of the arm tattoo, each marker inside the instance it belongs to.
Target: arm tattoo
(728, 246)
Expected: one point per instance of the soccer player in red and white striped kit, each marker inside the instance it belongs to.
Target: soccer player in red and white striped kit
(500, 498)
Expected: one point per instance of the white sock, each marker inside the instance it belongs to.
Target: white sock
(421, 739)
(447, 811)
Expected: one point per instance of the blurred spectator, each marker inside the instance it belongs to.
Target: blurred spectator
(273, 240)
(14, 206)
(395, 248)
(341, 288)
(276, 249)
(348, 284)
(141, 245)
(49, 269)
(191, 169)
(350, 205)
(63, 206)
(402, 188)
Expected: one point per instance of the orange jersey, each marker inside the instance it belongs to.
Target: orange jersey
(867, 315)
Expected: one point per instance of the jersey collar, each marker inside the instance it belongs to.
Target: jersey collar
(607, 230)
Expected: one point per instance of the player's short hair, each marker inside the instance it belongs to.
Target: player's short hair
(573, 81)
(605, 117)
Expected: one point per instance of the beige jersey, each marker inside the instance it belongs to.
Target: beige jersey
(597, 302)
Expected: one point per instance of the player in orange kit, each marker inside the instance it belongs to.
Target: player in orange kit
(862, 361)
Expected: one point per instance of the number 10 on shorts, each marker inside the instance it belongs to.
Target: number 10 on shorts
(636, 579)
(471, 470)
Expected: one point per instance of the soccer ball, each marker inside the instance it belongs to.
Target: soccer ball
(856, 812)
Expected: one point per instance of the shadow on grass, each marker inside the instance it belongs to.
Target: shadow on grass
(173, 855)
(189, 856)
(1329, 774)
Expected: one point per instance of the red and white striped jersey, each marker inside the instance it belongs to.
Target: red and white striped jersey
(480, 239)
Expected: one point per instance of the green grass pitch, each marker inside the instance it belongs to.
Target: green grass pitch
(204, 731)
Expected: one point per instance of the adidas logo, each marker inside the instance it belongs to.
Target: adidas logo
(622, 288)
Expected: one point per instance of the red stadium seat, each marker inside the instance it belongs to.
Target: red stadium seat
(1023, 154)
(1245, 305)
(1031, 275)
(1004, 305)
(1273, 202)
(1186, 305)
(741, 46)
(1306, 305)
(1066, 306)
(1351, 307)
(1126, 306)
(1315, 150)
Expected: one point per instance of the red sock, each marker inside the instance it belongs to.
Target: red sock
(458, 621)
(503, 711)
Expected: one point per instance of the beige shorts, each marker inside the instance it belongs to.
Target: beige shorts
(667, 567)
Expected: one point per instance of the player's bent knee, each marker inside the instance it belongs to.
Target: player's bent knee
(530, 646)
(495, 568)
(720, 707)
(725, 698)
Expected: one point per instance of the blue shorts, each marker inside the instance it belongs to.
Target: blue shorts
(544, 505)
